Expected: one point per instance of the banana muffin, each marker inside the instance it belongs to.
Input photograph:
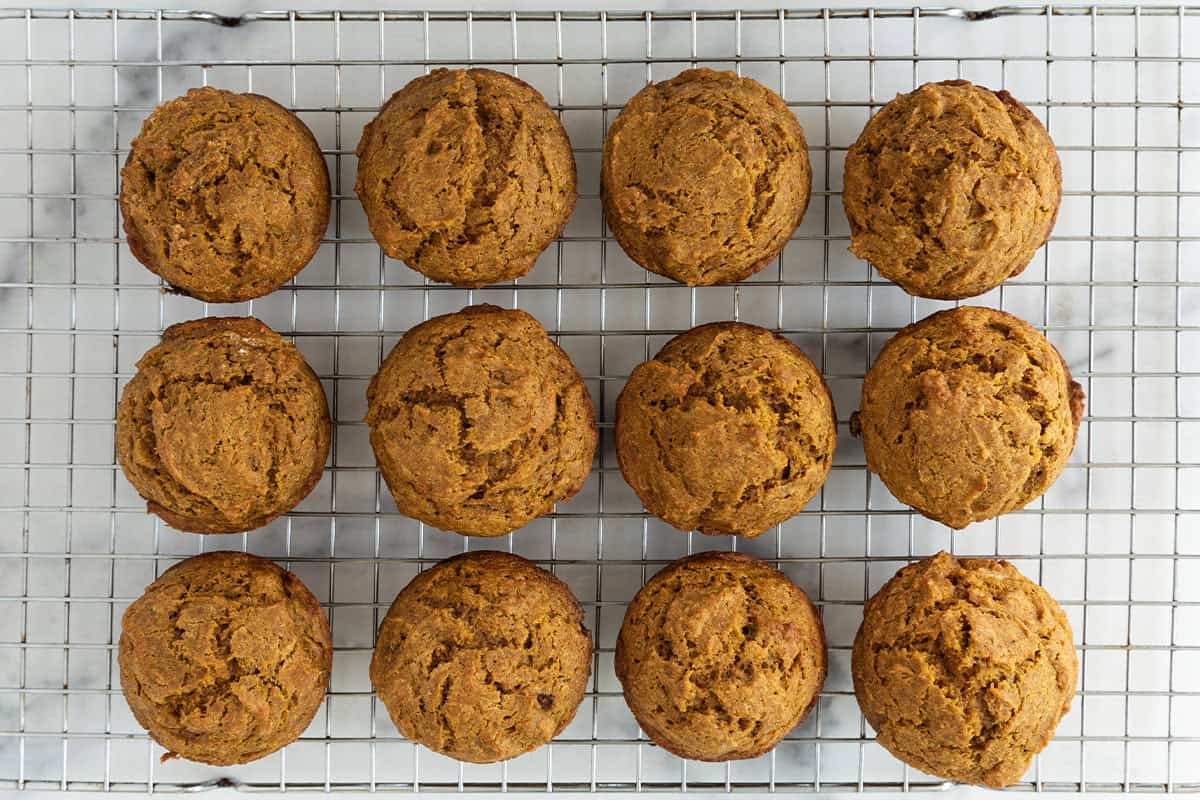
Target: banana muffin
(466, 175)
(225, 658)
(224, 427)
(730, 429)
(720, 655)
(482, 657)
(480, 422)
(951, 189)
(968, 414)
(964, 668)
(704, 177)
(224, 195)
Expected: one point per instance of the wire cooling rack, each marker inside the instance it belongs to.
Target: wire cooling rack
(1117, 289)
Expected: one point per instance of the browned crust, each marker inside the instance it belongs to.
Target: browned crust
(320, 221)
(295, 589)
(385, 467)
(573, 191)
(722, 326)
(1075, 395)
(250, 328)
(628, 246)
(1018, 109)
(487, 560)
(875, 719)
(621, 668)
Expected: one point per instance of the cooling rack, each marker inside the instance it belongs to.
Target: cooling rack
(1117, 289)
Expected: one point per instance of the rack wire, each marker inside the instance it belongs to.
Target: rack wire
(1117, 289)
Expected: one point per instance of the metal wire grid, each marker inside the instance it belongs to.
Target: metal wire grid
(1117, 290)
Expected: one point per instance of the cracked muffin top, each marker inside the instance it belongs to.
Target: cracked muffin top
(704, 177)
(483, 657)
(964, 668)
(968, 414)
(466, 175)
(480, 422)
(720, 655)
(224, 195)
(225, 658)
(224, 427)
(951, 189)
(730, 429)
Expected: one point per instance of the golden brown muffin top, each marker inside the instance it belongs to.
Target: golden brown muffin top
(964, 667)
(705, 176)
(730, 429)
(466, 175)
(226, 196)
(950, 189)
(225, 658)
(224, 427)
(480, 422)
(968, 414)
(482, 657)
(720, 656)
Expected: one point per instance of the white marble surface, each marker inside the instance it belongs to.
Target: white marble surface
(1123, 467)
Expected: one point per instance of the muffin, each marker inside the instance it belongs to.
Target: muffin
(730, 429)
(964, 667)
(225, 196)
(483, 657)
(705, 177)
(720, 655)
(466, 175)
(968, 414)
(224, 427)
(480, 422)
(225, 658)
(950, 189)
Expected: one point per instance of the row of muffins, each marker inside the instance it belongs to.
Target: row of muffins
(468, 175)
(480, 423)
(963, 667)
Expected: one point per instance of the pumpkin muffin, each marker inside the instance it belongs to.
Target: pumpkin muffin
(466, 175)
(730, 429)
(483, 657)
(951, 189)
(225, 196)
(480, 422)
(964, 668)
(704, 177)
(224, 427)
(968, 414)
(720, 656)
(225, 658)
